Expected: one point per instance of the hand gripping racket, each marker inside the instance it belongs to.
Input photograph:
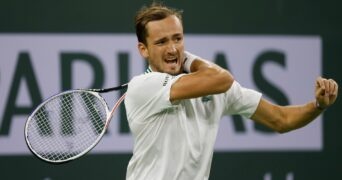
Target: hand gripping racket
(68, 125)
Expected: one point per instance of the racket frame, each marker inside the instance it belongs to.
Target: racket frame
(94, 92)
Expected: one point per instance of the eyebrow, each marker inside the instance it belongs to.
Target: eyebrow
(177, 35)
(160, 40)
(165, 38)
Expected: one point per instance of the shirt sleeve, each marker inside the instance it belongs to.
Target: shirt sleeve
(242, 101)
(149, 94)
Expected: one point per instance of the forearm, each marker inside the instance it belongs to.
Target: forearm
(326, 91)
(202, 65)
(285, 118)
(209, 71)
(194, 63)
(203, 78)
(298, 116)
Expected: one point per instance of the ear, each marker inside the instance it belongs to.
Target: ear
(143, 50)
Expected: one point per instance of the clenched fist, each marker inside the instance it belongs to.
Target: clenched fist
(326, 91)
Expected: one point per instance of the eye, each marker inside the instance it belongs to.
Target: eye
(178, 39)
(160, 42)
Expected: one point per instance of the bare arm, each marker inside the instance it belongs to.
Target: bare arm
(286, 118)
(205, 79)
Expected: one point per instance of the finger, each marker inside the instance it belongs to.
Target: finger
(320, 92)
(327, 87)
(335, 88)
(331, 87)
(319, 82)
(320, 86)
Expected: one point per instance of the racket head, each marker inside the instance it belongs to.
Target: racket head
(66, 126)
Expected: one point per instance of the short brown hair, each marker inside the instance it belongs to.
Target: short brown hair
(156, 11)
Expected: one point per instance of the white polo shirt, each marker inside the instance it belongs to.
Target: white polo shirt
(176, 141)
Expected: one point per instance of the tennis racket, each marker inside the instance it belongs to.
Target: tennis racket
(68, 125)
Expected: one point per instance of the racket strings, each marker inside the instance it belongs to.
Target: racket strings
(67, 125)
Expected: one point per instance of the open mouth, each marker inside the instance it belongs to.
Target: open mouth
(172, 60)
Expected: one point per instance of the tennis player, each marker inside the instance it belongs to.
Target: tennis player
(174, 116)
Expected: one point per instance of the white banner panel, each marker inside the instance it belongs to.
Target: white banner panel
(36, 61)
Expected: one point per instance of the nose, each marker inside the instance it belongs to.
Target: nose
(171, 48)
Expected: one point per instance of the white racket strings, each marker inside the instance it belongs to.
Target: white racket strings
(67, 125)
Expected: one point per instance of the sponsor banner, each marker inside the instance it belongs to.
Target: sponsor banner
(34, 67)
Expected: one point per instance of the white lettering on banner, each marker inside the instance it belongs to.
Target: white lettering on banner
(292, 75)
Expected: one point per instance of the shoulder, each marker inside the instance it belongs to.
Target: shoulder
(153, 80)
(144, 87)
(152, 85)
(147, 81)
(149, 91)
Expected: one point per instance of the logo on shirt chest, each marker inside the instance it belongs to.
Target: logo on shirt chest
(207, 98)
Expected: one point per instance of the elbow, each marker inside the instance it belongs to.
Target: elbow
(229, 80)
(283, 130)
(283, 126)
(225, 81)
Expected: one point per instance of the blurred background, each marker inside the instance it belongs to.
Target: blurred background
(319, 20)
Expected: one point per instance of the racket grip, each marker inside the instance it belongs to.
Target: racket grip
(115, 88)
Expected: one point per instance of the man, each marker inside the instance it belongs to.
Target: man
(174, 116)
